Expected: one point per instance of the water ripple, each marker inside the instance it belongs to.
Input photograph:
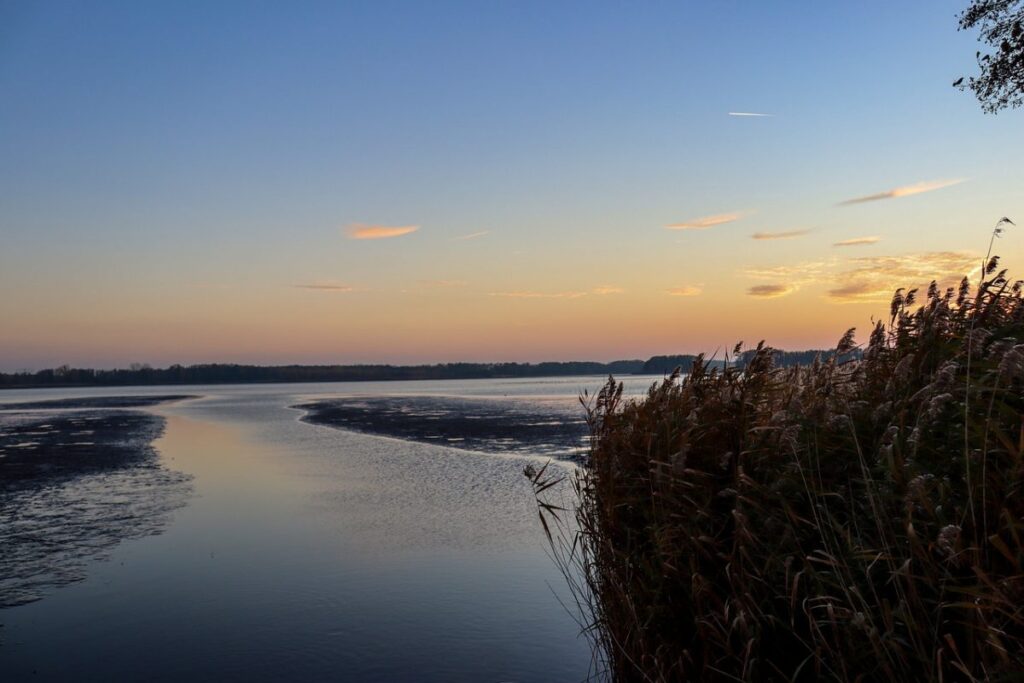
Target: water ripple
(553, 428)
(73, 486)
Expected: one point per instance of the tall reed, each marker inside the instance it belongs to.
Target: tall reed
(846, 520)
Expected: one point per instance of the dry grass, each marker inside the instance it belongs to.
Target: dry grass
(856, 520)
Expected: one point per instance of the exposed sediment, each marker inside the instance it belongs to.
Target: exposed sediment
(95, 402)
(553, 428)
(75, 480)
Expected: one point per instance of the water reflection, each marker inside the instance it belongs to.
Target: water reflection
(310, 552)
(73, 486)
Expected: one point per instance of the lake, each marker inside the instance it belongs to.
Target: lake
(264, 546)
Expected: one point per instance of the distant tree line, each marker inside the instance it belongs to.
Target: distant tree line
(788, 359)
(666, 365)
(227, 373)
(141, 374)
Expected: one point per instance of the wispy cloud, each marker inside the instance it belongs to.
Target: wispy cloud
(705, 222)
(472, 235)
(857, 242)
(876, 278)
(750, 113)
(795, 273)
(864, 279)
(772, 291)
(326, 286)
(904, 191)
(607, 289)
(443, 283)
(860, 292)
(539, 295)
(788, 235)
(359, 231)
(786, 279)
(685, 290)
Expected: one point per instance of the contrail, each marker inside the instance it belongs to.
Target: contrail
(748, 113)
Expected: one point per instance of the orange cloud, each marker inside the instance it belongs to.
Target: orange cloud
(607, 289)
(685, 290)
(797, 273)
(779, 235)
(857, 241)
(876, 278)
(358, 231)
(705, 222)
(905, 191)
(539, 295)
(771, 291)
(859, 292)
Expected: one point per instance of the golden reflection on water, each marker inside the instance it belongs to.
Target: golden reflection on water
(381, 495)
(307, 551)
(219, 454)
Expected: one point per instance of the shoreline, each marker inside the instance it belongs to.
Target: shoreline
(78, 477)
(480, 424)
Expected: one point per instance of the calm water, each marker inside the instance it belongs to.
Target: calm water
(305, 551)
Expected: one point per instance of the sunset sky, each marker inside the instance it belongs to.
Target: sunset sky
(421, 182)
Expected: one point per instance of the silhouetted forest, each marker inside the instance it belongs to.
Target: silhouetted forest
(666, 365)
(243, 374)
(224, 373)
(788, 359)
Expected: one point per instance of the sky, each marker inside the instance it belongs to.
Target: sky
(186, 182)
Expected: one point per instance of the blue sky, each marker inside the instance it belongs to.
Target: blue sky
(170, 171)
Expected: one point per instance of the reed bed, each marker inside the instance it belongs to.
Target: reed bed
(845, 520)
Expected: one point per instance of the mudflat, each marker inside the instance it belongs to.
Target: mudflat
(77, 476)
